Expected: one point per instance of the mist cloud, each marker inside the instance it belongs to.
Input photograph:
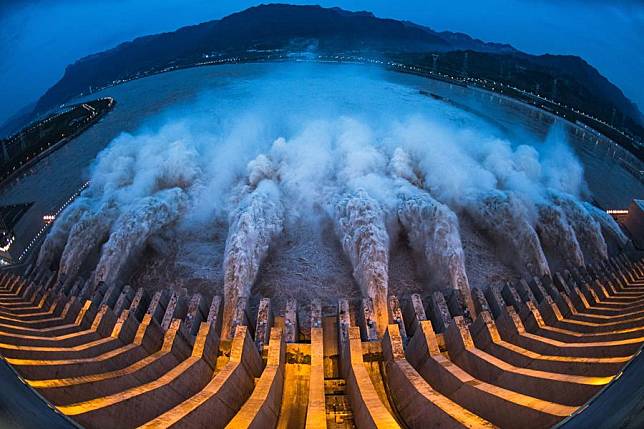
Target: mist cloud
(266, 164)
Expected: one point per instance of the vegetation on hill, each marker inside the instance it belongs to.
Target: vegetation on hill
(273, 28)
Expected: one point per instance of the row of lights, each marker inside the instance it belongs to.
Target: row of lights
(8, 246)
(48, 219)
(494, 83)
(587, 115)
(389, 63)
(32, 127)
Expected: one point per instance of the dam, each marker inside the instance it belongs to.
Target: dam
(533, 354)
(240, 254)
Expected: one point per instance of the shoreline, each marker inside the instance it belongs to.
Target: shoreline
(59, 144)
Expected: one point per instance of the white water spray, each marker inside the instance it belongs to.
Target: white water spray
(256, 221)
(587, 229)
(85, 237)
(131, 231)
(52, 247)
(360, 224)
(609, 226)
(557, 235)
(503, 216)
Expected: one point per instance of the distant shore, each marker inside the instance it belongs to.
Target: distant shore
(60, 143)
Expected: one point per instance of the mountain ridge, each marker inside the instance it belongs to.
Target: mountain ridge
(289, 27)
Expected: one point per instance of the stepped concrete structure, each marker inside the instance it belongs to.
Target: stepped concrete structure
(561, 350)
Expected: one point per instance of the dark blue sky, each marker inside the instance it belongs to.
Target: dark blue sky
(39, 37)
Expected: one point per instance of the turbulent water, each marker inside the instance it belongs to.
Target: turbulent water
(132, 229)
(432, 227)
(433, 231)
(305, 179)
(557, 236)
(85, 237)
(502, 215)
(54, 243)
(360, 225)
(255, 222)
(609, 227)
(586, 227)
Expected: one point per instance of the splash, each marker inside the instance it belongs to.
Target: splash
(419, 165)
(557, 235)
(503, 216)
(587, 229)
(401, 166)
(433, 231)
(432, 227)
(52, 248)
(609, 226)
(256, 221)
(85, 237)
(360, 224)
(131, 231)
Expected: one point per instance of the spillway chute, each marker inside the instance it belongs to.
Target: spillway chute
(361, 226)
(502, 215)
(132, 229)
(587, 229)
(53, 245)
(254, 223)
(609, 227)
(557, 235)
(85, 237)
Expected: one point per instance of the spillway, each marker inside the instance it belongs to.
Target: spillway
(301, 267)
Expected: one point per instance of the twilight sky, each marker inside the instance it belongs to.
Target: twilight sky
(38, 38)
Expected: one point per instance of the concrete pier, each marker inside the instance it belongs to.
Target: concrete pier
(528, 355)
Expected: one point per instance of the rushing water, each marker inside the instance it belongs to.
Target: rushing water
(298, 91)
